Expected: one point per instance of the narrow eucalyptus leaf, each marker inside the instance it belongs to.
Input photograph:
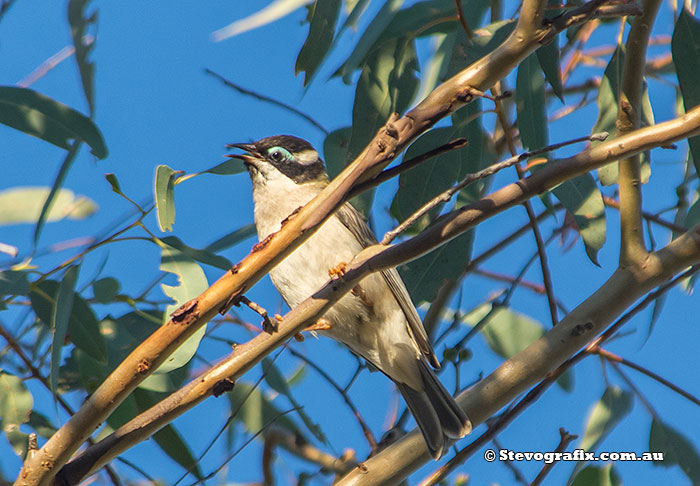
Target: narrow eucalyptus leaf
(43, 117)
(685, 50)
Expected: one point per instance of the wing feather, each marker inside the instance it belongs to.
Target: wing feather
(352, 220)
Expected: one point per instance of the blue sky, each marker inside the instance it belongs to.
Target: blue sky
(155, 105)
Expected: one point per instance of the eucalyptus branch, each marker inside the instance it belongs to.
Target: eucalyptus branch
(462, 19)
(445, 292)
(482, 174)
(632, 248)
(266, 99)
(346, 398)
(565, 439)
(655, 218)
(394, 137)
(509, 415)
(36, 373)
(612, 357)
(303, 450)
(572, 333)
(386, 145)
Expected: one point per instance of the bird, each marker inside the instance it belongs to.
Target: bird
(377, 320)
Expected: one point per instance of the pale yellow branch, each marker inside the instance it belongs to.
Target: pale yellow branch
(682, 252)
(632, 248)
(41, 468)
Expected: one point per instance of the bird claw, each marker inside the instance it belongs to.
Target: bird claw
(321, 325)
(338, 271)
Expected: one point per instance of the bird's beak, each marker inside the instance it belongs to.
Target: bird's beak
(248, 158)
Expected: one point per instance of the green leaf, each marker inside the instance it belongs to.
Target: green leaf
(123, 335)
(531, 104)
(566, 380)
(23, 205)
(83, 44)
(164, 192)
(367, 40)
(228, 167)
(60, 317)
(597, 476)
(192, 282)
(324, 16)
(16, 403)
(387, 84)
(411, 22)
(677, 449)
(202, 256)
(233, 238)
(45, 118)
(279, 383)
(548, 58)
(693, 216)
(608, 99)
(13, 282)
(167, 438)
(335, 150)
(466, 50)
(582, 198)
(354, 16)
(254, 410)
(106, 289)
(41, 425)
(685, 50)
(114, 183)
(425, 275)
(83, 327)
(424, 182)
(607, 413)
(507, 332)
(270, 13)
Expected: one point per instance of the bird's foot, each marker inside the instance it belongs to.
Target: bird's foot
(322, 324)
(338, 271)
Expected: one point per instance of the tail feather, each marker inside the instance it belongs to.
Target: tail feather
(438, 416)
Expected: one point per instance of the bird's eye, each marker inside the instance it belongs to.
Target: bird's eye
(279, 154)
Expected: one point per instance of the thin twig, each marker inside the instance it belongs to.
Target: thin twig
(654, 376)
(517, 474)
(113, 477)
(267, 99)
(243, 446)
(407, 165)
(490, 170)
(343, 393)
(507, 417)
(613, 203)
(51, 63)
(463, 20)
(278, 436)
(564, 441)
(546, 274)
(544, 263)
(500, 277)
(647, 404)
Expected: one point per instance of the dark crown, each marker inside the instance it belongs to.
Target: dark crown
(289, 142)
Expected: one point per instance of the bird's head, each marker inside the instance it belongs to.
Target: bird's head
(281, 158)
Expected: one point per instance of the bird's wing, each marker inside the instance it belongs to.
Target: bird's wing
(352, 220)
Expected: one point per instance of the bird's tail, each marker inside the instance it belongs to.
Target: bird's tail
(438, 416)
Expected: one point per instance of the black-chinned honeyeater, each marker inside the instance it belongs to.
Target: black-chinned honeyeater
(378, 322)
